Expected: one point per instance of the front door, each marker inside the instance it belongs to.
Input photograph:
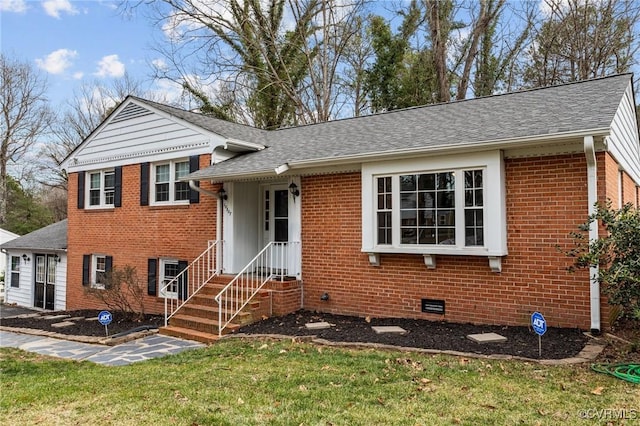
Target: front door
(45, 281)
(276, 224)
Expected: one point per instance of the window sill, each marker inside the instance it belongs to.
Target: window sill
(169, 206)
(99, 209)
(430, 253)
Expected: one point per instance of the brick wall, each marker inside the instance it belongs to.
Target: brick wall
(132, 234)
(546, 200)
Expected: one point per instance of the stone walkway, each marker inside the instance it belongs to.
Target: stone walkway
(148, 347)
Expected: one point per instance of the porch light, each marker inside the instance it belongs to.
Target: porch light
(56, 257)
(293, 189)
(25, 258)
(222, 194)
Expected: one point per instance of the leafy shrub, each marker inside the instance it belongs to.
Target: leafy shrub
(123, 292)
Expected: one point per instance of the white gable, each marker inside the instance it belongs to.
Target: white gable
(137, 133)
(623, 142)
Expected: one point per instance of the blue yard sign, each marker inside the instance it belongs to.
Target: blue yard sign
(538, 323)
(105, 318)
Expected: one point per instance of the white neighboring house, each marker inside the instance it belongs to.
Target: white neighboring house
(37, 268)
(5, 237)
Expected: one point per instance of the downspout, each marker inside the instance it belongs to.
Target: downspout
(592, 198)
(192, 185)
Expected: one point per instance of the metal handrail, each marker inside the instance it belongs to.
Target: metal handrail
(191, 280)
(276, 259)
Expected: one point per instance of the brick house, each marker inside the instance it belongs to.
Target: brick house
(446, 212)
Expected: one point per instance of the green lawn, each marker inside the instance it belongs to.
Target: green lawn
(237, 382)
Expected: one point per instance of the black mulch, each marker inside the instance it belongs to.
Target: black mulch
(557, 343)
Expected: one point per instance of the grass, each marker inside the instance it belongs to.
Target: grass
(256, 382)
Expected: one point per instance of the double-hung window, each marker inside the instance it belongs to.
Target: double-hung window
(99, 273)
(166, 185)
(101, 188)
(435, 205)
(15, 271)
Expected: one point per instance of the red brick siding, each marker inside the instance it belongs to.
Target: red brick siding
(546, 199)
(133, 233)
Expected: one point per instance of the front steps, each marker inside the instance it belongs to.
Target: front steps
(198, 318)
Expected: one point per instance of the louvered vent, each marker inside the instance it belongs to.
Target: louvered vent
(131, 111)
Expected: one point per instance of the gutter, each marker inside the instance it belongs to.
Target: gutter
(592, 198)
(192, 185)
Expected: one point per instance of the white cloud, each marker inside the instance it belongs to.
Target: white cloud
(78, 75)
(16, 6)
(110, 66)
(160, 64)
(58, 61)
(54, 7)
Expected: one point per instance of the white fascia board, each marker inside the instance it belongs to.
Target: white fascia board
(236, 145)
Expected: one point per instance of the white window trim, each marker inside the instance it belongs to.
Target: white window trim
(161, 277)
(172, 183)
(495, 223)
(87, 200)
(94, 271)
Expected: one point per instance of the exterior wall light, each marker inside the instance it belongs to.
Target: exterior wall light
(25, 258)
(222, 194)
(293, 189)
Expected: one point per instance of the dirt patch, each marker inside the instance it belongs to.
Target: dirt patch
(83, 323)
(557, 343)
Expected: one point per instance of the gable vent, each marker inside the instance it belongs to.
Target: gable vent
(131, 111)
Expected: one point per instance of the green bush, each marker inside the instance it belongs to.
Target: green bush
(616, 252)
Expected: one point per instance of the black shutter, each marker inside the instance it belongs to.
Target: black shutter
(194, 165)
(86, 269)
(81, 190)
(117, 202)
(152, 277)
(183, 283)
(145, 168)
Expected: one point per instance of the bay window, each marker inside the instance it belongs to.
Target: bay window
(435, 205)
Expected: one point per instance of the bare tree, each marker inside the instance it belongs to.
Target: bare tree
(581, 39)
(26, 116)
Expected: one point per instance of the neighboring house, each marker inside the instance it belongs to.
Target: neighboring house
(447, 212)
(37, 272)
(5, 236)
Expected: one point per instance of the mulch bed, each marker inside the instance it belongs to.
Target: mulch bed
(557, 343)
(85, 323)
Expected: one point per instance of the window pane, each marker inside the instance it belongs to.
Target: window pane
(170, 271)
(477, 178)
(182, 169)
(409, 218)
(427, 236)
(407, 183)
(446, 180)
(94, 181)
(479, 200)
(162, 192)
(384, 227)
(446, 217)
(427, 181)
(94, 197)
(182, 191)
(15, 263)
(446, 236)
(109, 187)
(162, 173)
(408, 200)
(446, 199)
(408, 235)
(426, 200)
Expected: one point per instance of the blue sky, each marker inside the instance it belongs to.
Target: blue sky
(72, 42)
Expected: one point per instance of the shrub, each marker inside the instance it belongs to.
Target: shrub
(123, 292)
(616, 252)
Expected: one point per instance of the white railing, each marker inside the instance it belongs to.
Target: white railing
(278, 260)
(189, 281)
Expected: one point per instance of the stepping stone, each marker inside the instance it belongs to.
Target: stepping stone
(317, 325)
(487, 338)
(55, 317)
(391, 329)
(62, 324)
(28, 315)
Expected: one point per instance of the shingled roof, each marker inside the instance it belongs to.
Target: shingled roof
(587, 106)
(52, 237)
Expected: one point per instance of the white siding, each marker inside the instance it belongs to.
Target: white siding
(623, 142)
(136, 138)
(23, 295)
